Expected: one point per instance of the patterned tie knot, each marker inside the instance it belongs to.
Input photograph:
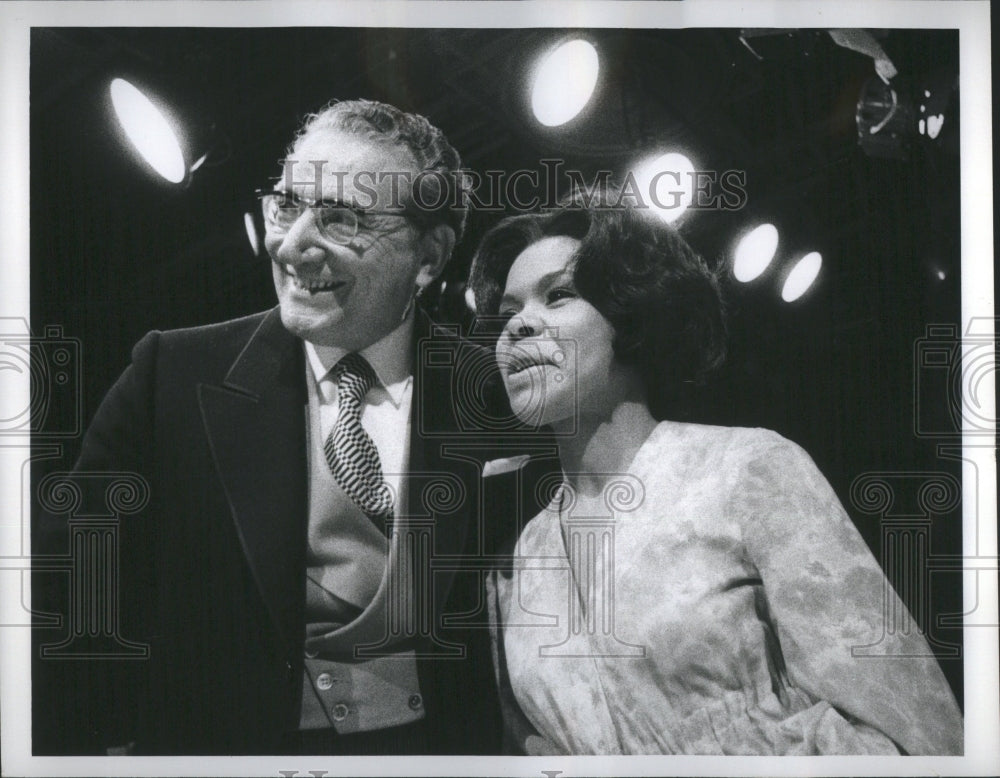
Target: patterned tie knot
(350, 451)
(354, 377)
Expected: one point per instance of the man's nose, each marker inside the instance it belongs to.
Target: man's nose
(302, 243)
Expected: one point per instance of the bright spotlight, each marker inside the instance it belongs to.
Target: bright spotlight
(754, 252)
(148, 130)
(564, 82)
(666, 185)
(802, 276)
(252, 236)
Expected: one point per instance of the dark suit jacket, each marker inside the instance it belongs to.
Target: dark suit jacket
(212, 570)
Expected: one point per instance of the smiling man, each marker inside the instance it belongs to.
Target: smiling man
(287, 572)
(347, 276)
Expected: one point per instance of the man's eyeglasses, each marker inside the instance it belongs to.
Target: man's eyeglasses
(337, 221)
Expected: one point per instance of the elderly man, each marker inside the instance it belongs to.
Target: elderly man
(306, 562)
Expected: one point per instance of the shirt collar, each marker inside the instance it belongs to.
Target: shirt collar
(390, 358)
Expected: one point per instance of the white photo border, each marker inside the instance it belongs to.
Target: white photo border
(971, 19)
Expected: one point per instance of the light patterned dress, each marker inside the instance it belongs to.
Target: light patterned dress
(725, 604)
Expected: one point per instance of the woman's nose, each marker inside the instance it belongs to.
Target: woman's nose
(524, 325)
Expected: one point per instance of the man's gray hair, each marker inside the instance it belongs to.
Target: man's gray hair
(442, 186)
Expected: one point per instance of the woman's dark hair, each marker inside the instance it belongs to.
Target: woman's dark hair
(660, 296)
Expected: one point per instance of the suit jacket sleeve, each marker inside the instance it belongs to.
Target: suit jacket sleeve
(86, 706)
(120, 436)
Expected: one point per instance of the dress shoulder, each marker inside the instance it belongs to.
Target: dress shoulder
(737, 442)
(708, 458)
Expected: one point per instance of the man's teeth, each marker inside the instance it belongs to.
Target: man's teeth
(314, 286)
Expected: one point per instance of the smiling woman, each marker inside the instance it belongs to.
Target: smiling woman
(540, 301)
(718, 607)
(665, 318)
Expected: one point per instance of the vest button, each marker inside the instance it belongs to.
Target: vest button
(340, 712)
(324, 681)
(415, 701)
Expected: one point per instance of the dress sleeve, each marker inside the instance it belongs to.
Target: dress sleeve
(827, 594)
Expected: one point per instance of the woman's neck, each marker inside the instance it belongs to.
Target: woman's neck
(600, 448)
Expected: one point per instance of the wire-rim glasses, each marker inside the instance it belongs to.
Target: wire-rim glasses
(337, 221)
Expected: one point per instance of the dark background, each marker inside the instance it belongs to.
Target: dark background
(115, 252)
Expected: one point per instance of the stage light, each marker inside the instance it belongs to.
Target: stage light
(754, 252)
(801, 276)
(564, 82)
(148, 130)
(891, 120)
(934, 124)
(666, 184)
(252, 236)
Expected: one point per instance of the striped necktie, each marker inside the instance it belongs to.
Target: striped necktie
(350, 452)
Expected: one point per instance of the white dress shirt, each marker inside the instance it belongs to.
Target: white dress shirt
(347, 552)
(385, 414)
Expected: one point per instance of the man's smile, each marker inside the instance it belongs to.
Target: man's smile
(312, 285)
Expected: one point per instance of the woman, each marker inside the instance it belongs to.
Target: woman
(689, 589)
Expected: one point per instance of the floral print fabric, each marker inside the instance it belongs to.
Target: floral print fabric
(712, 611)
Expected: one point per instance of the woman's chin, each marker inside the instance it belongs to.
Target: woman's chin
(537, 413)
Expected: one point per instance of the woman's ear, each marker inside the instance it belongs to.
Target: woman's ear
(437, 244)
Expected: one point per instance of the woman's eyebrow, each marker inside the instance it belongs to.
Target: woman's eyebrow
(542, 282)
(565, 274)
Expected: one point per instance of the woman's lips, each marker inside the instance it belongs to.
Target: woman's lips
(521, 357)
(517, 366)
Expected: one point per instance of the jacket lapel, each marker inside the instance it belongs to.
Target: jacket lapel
(433, 428)
(255, 422)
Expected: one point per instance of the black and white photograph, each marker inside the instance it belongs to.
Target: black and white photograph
(559, 388)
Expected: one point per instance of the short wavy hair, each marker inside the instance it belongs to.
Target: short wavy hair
(444, 185)
(658, 294)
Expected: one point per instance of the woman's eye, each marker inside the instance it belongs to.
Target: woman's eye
(560, 293)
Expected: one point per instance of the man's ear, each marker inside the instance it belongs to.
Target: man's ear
(437, 244)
